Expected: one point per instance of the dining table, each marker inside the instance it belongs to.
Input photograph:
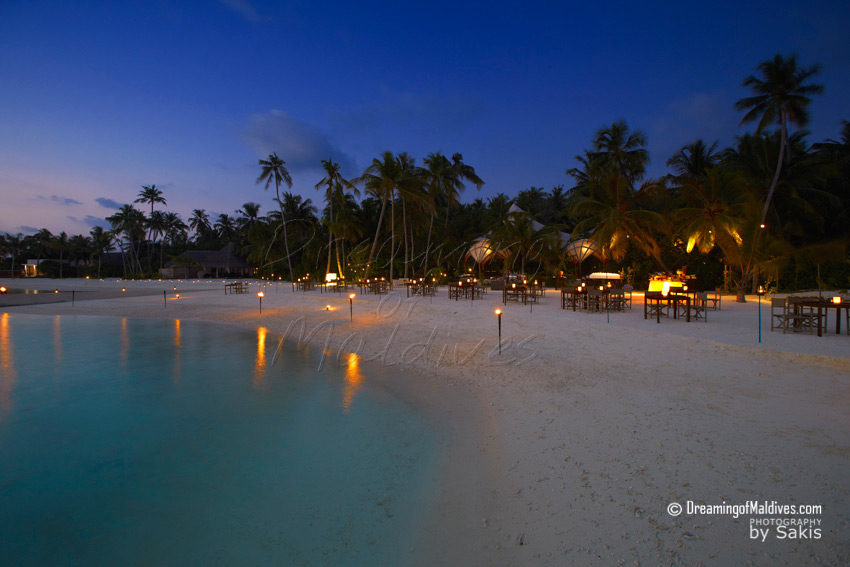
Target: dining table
(670, 300)
(823, 307)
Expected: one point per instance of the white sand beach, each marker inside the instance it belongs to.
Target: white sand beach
(575, 439)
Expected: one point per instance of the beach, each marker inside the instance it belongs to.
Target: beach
(574, 440)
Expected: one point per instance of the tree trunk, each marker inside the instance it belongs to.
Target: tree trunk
(285, 235)
(404, 227)
(782, 142)
(330, 234)
(428, 245)
(392, 235)
(377, 234)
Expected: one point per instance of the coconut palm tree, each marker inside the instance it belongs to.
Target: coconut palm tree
(128, 226)
(101, 243)
(200, 223)
(14, 246)
(150, 194)
(465, 172)
(616, 148)
(441, 179)
(781, 96)
(249, 215)
(381, 179)
(615, 219)
(42, 239)
(694, 159)
(335, 186)
(721, 209)
(274, 170)
(225, 227)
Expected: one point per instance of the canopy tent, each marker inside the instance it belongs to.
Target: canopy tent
(482, 251)
(603, 276)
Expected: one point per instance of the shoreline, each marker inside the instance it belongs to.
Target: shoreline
(589, 429)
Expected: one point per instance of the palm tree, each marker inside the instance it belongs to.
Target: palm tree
(274, 170)
(335, 186)
(618, 149)
(721, 209)
(200, 223)
(441, 179)
(43, 238)
(101, 243)
(249, 215)
(150, 194)
(519, 235)
(781, 96)
(226, 228)
(614, 216)
(14, 245)
(464, 172)
(408, 191)
(694, 159)
(129, 224)
(381, 180)
(175, 229)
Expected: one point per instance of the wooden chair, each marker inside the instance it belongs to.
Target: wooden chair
(699, 306)
(715, 297)
(800, 318)
(617, 300)
(778, 314)
(595, 299)
(654, 308)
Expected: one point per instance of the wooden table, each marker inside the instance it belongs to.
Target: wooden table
(236, 287)
(572, 298)
(518, 293)
(821, 305)
(672, 299)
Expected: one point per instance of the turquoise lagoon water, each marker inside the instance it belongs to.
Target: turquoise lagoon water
(148, 442)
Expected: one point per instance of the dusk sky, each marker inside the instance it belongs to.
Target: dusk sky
(98, 99)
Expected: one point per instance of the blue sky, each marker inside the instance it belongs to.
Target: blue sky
(98, 99)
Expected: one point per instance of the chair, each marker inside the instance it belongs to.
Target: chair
(617, 300)
(595, 299)
(799, 317)
(778, 314)
(699, 306)
(715, 297)
(655, 307)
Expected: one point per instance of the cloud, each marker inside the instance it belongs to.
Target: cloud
(26, 228)
(244, 8)
(64, 201)
(108, 203)
(93, 221)
(301, 145)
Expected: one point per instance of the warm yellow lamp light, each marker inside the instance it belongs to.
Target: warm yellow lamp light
(836, 300)
(665, 289)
